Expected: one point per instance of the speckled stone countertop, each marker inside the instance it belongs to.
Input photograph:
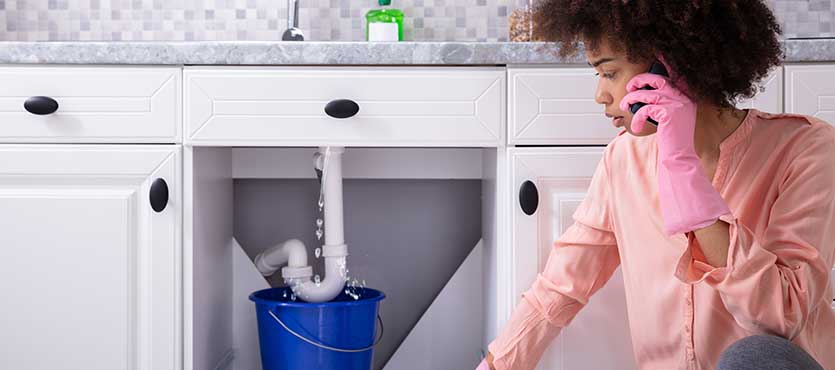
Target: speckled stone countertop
(324, 53)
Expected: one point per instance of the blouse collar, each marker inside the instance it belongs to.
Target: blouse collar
(741, 132)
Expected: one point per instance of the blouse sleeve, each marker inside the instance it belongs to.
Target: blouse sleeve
(773, 282)
(581, 261)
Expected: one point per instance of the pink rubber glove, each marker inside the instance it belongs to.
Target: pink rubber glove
(688, 199)
(483, 365)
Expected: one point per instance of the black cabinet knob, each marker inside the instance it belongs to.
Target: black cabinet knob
(159, 195)
(40, 105)
(528, 197)
(342, 108)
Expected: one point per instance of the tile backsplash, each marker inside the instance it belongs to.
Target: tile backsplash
(320, 20)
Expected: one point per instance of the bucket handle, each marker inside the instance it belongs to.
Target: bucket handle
(328, 347)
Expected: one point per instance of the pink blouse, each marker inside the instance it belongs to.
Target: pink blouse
(777, 174)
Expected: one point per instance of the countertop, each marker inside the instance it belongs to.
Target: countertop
(324, 53)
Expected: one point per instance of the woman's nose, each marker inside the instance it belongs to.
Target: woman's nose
(601, 96)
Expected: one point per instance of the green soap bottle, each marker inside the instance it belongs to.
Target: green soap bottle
(384, 24)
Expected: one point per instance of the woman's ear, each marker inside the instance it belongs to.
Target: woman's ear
(666, 65)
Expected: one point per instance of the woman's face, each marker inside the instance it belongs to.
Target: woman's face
(614, 71)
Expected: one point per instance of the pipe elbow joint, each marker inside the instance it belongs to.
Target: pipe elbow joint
(291, 252)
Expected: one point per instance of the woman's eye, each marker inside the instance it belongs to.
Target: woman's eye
(607, 75)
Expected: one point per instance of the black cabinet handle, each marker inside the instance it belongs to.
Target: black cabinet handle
(40, 105)
(528, 197)
(342, 108)
(159, 195)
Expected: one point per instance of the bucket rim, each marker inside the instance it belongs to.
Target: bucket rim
(258, 299)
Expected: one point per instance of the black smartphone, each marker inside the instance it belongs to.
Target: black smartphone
(655, 68)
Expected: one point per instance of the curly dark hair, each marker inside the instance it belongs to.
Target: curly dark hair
(721, 49)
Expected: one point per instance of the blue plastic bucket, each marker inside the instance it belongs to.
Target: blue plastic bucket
(335, 335)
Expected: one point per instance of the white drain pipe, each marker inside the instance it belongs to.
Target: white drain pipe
(293, 252)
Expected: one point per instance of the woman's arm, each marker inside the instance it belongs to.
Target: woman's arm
(772, 282)
(715, 240)
(580, 262)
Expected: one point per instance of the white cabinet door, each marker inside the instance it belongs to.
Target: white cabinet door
(89, 272)
(598, 338)
(810, 90)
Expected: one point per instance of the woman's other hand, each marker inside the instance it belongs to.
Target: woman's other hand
(487, 363)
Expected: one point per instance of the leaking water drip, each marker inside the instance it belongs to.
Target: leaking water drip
(295, 285)
(319, 231)
(354, 289)
(343, 272)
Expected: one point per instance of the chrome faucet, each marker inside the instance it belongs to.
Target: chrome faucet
(292, 33)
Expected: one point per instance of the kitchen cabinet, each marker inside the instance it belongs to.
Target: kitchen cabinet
(94, 273)
(90, 273)
(421, 123)
(553, 110)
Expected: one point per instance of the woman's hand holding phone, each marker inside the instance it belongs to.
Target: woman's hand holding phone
(688, 199)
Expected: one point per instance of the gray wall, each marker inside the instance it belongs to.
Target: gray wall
(339, 20)
(405, 237)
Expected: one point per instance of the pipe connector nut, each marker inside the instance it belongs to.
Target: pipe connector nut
(288, 272)
(339, 250)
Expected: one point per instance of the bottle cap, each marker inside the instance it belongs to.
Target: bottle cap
(385, 2)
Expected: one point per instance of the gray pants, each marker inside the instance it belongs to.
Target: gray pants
(766, 352)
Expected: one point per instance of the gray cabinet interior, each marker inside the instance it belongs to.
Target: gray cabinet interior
(406, 237)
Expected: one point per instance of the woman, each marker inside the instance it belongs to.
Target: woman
(722, 219)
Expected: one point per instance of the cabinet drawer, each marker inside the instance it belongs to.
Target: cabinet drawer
(555, 106)
(408, 106)
(106, 104)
